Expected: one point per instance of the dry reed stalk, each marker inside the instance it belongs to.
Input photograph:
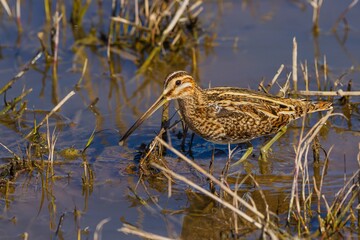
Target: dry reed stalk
(239, 212)
(342, 205)
(317, 74)
(339, 92)
(55, 38)
(198, 4)
(137, 19)
(22, 72)
(260, 221)
(325, 70)
(10, 151)
(84, 69)
(126, 21)
(316, 5)
(284, 89)
(15, 101)
(299, 153)
(267, 211)
(212, 178)
(304, 70)
(301, 167)
(18, 16)
(294, 64)
(147, 15)
(343, 14)
(51, 141)
(128, 229)
(99, 227)
(276, 76)
(6, 7)
(236, 203)
(174, 21)
(25, 236)
(57, 107)
(47, 7)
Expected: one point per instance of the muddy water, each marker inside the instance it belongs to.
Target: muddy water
(253, 40)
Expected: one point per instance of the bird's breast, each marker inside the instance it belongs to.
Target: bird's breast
(201, 119)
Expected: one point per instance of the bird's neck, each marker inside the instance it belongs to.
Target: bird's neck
(192, 107)
(196, 99)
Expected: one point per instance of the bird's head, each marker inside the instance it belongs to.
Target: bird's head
(177, 85)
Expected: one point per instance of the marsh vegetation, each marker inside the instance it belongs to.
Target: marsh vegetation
(76, 74)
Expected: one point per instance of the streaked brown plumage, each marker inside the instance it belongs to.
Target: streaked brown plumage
(228, 115)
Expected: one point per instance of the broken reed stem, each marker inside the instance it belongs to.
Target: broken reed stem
(219, 200)
(165, 34)
(108, 49)
(128, 229)
(342, 195)
(62, 102)
(316, 4)
(55, 38)
(303, 147)
(215, 180)
(18, 16)
(294, 64)
(173, 22)
(22, 72)
(276, 76)
(325, 70)
(253, 209)
(6, 7)
(147, 9)
(267, 211)
(126, 21)
(99, 227)
(294, 189)
(326, 93)
(317, 74)
(78, 84)
(304, 70)
(137, 19)
(342, 15)
(10, 151)
(15, 101)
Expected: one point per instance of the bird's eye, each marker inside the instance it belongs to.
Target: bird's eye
(178, 82)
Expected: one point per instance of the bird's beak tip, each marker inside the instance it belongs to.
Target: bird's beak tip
(121, 142)
(161, 100)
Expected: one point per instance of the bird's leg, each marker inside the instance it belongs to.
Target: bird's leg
(264, 149)
(249, 150)
(191, 141)
(185, 130)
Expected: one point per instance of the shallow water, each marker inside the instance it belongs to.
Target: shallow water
(253, 39)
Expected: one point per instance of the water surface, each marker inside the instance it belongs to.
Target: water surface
(251, 40)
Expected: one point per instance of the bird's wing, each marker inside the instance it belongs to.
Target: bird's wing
(237, 101)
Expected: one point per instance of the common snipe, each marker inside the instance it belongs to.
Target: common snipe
(228, 115)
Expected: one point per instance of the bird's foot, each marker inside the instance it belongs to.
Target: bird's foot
(244, 157)
(264, 153)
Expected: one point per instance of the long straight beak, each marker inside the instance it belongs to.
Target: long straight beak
(159, 102)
